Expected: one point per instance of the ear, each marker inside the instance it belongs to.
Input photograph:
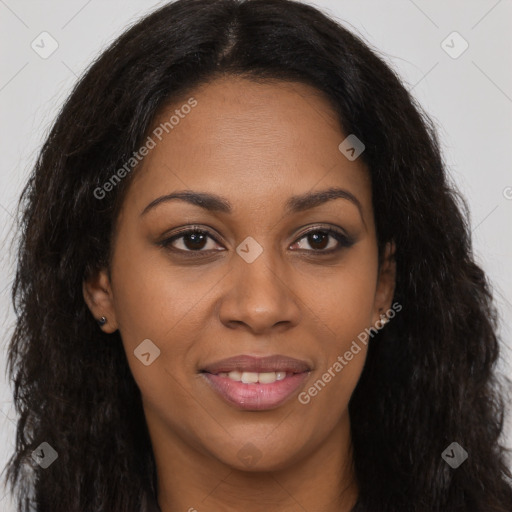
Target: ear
(385, 282)
(98, 296)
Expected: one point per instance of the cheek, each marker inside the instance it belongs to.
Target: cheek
(170, 306)
(351, 307)
(343, 310)
(151, 295)
(343, 296)
(152, 303)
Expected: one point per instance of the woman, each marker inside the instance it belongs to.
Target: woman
(245, 284)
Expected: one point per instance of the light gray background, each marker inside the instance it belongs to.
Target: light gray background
(469, 97)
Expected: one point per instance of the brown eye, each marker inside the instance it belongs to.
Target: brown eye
(195, 240)
(318, 239)
(191, 240)
(324, 241)
(321, 241)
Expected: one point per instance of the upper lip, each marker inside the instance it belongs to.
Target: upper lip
(246, 363)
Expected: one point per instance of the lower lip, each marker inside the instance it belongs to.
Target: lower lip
(256, 397)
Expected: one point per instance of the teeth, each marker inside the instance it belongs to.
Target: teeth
(266, 378)
(249, 377)
(253, 377)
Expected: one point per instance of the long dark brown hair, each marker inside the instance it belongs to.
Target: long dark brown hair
(430, 377)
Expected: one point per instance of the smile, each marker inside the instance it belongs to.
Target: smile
(254, 377)
(257, 384)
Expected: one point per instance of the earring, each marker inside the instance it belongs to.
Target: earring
(384, 319)
(102, 321)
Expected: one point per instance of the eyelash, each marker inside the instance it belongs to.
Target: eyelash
(343, 240)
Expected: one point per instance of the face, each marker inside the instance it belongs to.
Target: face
(278, 281)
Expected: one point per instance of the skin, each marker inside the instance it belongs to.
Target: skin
(256, 145)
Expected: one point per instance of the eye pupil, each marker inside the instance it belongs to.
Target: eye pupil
(314, 239)
(195, 238)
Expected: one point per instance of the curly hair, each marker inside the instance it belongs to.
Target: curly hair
(429, 380)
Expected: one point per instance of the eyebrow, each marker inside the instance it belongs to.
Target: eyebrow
(295, 204)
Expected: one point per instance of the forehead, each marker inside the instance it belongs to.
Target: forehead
(254, 142)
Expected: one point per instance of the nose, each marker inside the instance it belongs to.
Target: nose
(259, 296)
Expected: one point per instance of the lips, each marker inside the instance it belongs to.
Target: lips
(256, 383)
(276, 363)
